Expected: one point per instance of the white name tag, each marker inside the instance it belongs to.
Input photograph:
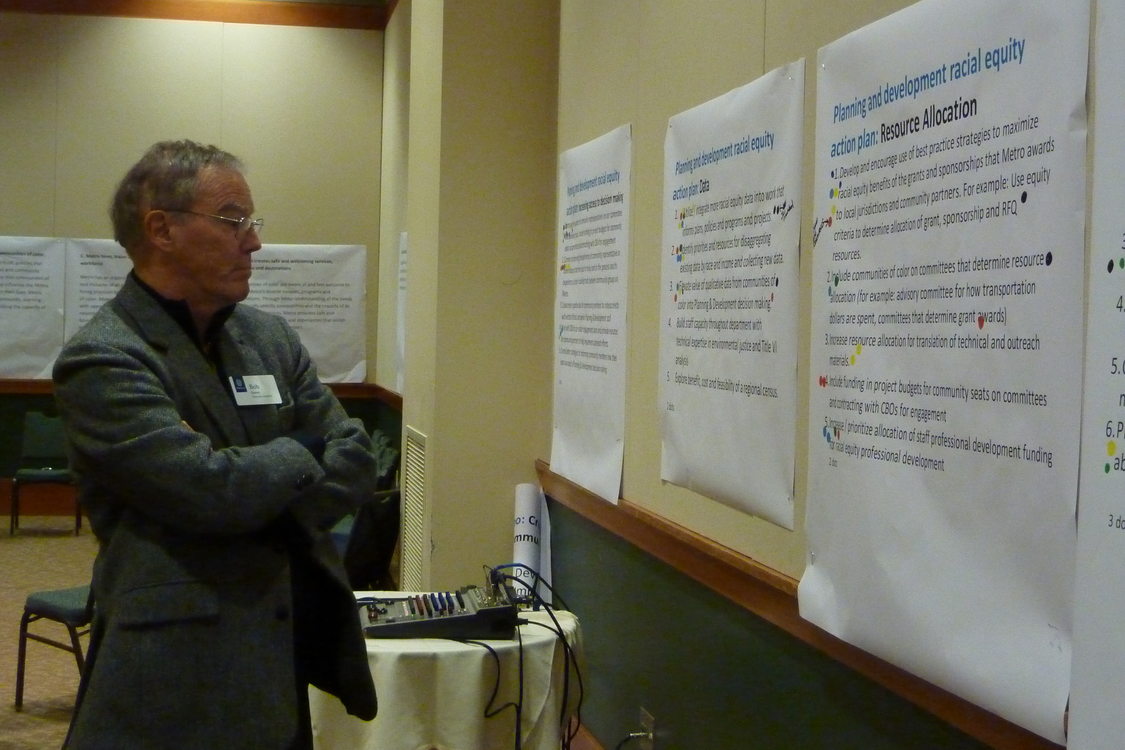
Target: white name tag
(254, 390)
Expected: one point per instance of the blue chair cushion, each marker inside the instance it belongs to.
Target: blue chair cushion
(69, 606)
(31, 476)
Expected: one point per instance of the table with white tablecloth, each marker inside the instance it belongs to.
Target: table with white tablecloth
(439, 693)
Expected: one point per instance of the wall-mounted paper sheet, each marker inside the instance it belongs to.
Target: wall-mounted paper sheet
(728, 323)
(588, 439)
(1096, 719)
(31, 306)
(947, 315)
(49, 288)
(321, 290)
(400, 315)
(95, 270)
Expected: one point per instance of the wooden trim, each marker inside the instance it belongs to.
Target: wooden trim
(342, 390)
(584, 740)
(39, 499)
(368, 390)
(224, 11)
(26, 387)
(771, 595)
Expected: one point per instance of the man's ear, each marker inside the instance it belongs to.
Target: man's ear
(158, 227)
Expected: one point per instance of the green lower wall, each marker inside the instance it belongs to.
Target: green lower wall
(374, 413)
(714, 676)
(12, 409)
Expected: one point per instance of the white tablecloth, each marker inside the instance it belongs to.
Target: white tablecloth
(434, 693)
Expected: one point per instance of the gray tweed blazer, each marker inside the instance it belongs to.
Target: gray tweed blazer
(219, 595)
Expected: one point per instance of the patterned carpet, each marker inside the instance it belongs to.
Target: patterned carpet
(44, 554)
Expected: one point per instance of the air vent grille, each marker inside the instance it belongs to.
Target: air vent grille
(415, 529)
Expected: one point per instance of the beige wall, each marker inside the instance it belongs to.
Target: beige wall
(640, 62)
(480, 216)
(83, 97)
(480, 213)
(479, 100)
(392, 214)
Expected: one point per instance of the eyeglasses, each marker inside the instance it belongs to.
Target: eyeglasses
(242, 226)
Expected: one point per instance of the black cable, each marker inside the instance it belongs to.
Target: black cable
(570, 661)
(568, 653)
(489, 711)
(538, 579)
(570, 725)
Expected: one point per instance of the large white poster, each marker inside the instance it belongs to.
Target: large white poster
(1096, 719)
(95, 270)
(49, 288)
(31, 306)
(400, 313)
(321, 291)
(728, 324)
(947, 315)
(591, 294)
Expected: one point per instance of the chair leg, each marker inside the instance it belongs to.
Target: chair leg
(21, 659)
(14, 523)
(77, 646)
(77, 517)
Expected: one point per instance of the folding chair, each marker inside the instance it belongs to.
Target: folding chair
(43, 460)
(73, 607)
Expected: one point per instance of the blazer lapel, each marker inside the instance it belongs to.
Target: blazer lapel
(203, 400)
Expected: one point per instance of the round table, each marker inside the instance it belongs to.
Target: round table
(435, 693)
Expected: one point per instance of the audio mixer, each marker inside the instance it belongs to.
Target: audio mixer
(467, 613)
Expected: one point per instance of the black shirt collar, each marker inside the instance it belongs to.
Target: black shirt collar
(180, 312)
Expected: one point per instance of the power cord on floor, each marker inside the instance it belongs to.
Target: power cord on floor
(633, 736)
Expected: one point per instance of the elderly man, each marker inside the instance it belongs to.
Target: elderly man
(211, 463)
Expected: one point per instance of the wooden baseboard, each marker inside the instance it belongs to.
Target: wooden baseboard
(39, 499)
(583, 740)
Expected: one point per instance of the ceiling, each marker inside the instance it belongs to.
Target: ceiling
(364, 3)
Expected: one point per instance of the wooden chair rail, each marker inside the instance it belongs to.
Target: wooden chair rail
(772, 596)
(342, 390)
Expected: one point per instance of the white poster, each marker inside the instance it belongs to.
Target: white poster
(321, 291)
(588, 436)
(31, 306)
(946, 327)
(531, 541)
(400, 315)
(1096, 719)
(95, 271)
(728, 338)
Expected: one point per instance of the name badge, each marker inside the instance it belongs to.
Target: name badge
(254, 390)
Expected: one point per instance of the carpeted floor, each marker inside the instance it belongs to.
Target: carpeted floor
(44, 554)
